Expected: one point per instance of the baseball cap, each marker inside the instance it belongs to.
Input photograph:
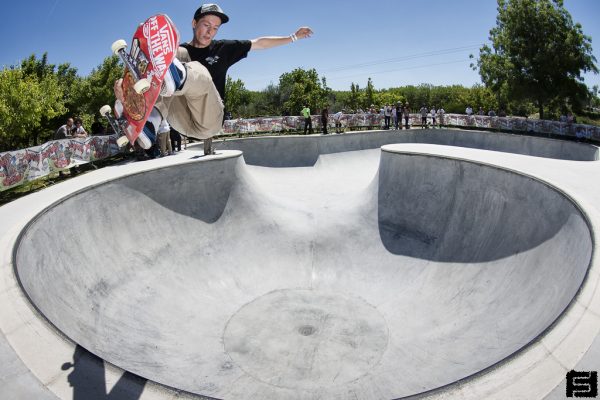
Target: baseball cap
(212, 9)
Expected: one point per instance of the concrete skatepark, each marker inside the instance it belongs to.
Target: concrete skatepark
(368, 265)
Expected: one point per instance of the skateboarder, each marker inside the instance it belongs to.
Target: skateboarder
(194, 88)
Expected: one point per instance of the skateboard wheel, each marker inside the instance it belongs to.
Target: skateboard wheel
(118, 45)
(141, 86)
(105, 110)
(122, 141)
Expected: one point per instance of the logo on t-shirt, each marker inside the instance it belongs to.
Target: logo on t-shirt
(212, 60)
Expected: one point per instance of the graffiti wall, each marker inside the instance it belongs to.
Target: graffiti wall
(20, 166)
(17, 167)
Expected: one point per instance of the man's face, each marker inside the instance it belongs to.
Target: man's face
(70, 122)
(205, 29)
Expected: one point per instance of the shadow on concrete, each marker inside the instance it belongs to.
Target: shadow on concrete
(88, 381)
(198, 190)
(453, 211)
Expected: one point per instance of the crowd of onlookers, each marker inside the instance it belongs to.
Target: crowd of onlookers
(168, 140)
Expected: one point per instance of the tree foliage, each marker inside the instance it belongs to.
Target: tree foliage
(538, 55)
(302, 88)
(237, 95)
(96, 90)
(27, 101)
(36, 97)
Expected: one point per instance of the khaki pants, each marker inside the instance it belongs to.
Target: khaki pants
(164, 140)
(197, 109)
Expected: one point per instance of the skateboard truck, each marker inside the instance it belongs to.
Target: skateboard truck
(141, 84)
(116, 123)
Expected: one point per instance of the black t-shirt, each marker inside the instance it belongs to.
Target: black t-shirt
(97, 128)
(218, 57)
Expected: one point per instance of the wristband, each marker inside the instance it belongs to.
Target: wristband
(293, 37)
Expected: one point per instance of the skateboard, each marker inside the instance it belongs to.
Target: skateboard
(152, 51)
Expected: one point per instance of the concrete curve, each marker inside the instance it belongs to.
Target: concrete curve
(401, 273)
(296, 151)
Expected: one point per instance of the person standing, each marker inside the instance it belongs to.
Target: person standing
(424, 113)
(307, 120)
(337, 117)
(324, 119)
(441, 113)
(433, 116)
(97, 127)
(406, 112)
(387, 114)
(398, 116)
(175, 137)
(164, 136)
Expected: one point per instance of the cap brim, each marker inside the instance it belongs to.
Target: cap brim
(224, 18)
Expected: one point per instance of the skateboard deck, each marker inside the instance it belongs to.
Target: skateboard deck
(152, 51)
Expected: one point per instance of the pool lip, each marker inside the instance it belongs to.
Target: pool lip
(546, 353)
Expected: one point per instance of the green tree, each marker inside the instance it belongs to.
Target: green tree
(538, 53)
(304, 88)
(353, 100)
(26, 101)
(68, 82)
(594, 100)
(95, 90)
(272, 101)
(369, 98)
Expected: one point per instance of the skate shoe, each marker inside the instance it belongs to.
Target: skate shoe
(174, 78)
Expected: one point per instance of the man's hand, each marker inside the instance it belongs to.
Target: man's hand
(118, 88)
(304, 32)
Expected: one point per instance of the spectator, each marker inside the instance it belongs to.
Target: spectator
(164, 136)
(307, 120)
(79, 131)
(97, 127)
(325, 119)
(433, 116)
(337, 118)
(480, 112)
(441, 113)
(65, 130)
(406, 112)
(491, 113)
(469, 111)
(387, 115)
(398, 116)
(424, 113)
(175, 137)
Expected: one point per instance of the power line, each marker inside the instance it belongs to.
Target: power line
(404, 58)
(397, 69)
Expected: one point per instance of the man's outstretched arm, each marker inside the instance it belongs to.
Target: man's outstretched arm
(267, 42)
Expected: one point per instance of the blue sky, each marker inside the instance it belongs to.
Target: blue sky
(395, 42)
